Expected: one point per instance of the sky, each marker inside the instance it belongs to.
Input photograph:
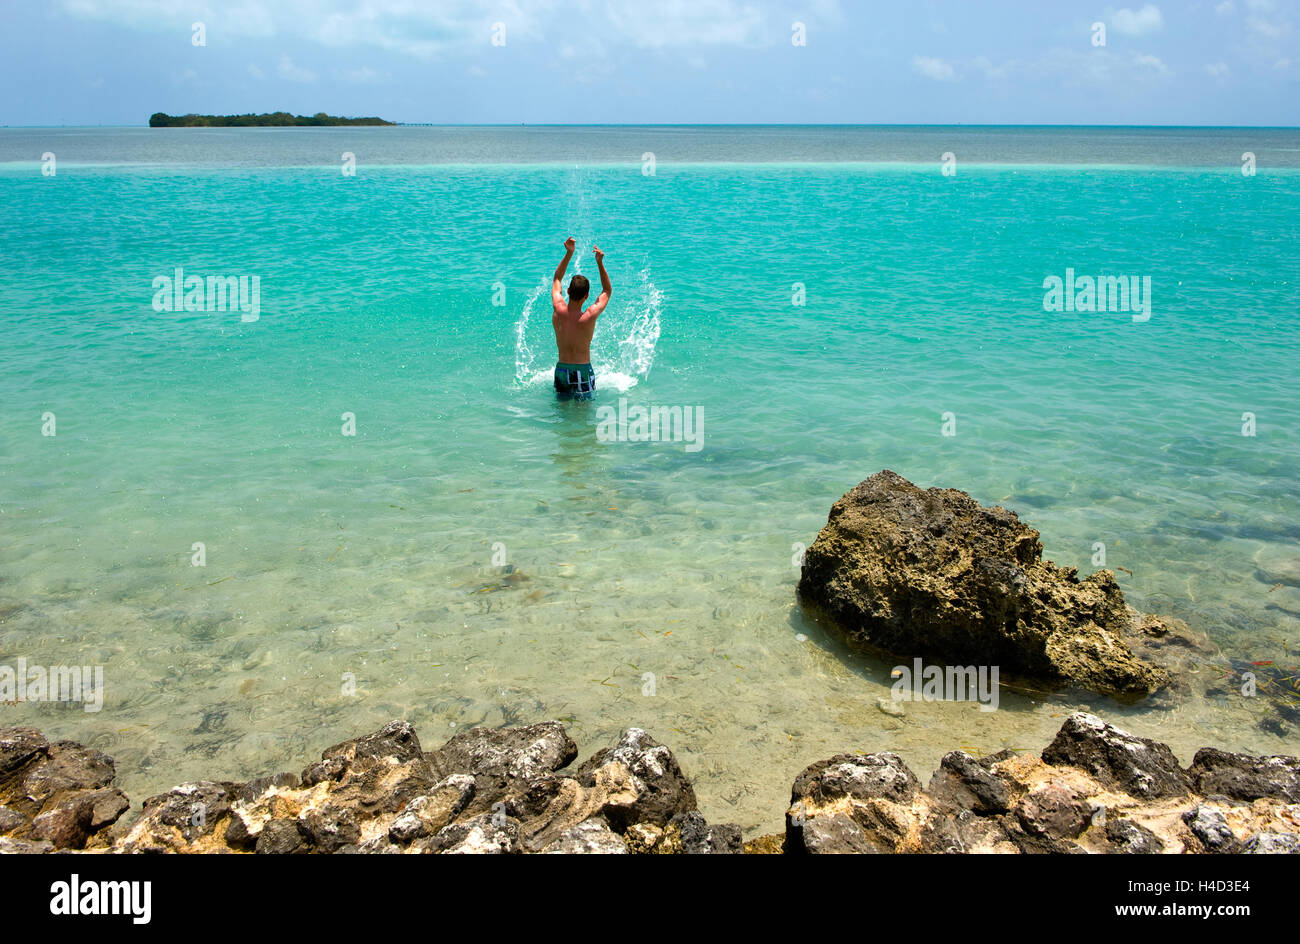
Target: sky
(115, 62)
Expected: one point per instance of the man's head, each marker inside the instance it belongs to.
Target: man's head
(579, 288)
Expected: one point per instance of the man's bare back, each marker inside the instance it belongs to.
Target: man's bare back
(574, 326)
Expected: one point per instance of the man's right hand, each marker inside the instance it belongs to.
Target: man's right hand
(600, 256)
(569, 244)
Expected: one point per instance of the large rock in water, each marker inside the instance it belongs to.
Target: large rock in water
(932, 573)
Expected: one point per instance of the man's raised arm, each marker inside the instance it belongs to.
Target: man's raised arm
(606, 289)
(557, 283)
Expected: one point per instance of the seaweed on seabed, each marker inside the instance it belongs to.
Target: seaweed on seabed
(1278, 686)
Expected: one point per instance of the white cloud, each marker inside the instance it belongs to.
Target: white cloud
(1267, 29)
(1224, 8)
(1092, 67)
(1152, 62)
(255, 72)
(692, 23)
(364, 75)
(413, 27)
(991, 69)
(932, 68)
(1128, 22)
(1218, 69)
(287, 70)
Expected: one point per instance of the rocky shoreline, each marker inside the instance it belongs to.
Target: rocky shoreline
(898, 569)
(1094, 789)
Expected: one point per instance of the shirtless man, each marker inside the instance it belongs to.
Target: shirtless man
(574, 378)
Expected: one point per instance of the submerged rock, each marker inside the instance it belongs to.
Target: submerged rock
(932, 573)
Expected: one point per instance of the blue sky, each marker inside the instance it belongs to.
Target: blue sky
(632, 61)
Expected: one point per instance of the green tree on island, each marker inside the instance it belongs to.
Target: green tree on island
(277, 119)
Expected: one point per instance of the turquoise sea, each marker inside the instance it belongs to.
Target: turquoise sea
(475, 554)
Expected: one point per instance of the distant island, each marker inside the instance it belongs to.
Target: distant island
(277, 119)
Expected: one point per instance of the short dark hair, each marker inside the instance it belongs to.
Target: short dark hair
(579, 288)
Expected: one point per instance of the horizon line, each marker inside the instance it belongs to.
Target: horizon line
(675, 124)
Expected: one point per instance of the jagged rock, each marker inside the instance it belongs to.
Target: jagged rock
(11, 820)
(59, 793)
(553, 805)
(862, 776)
(9, 846)
(593, 837)
(504, 762)
(394, 741)
(941, 835)
(181, 818)
(66, 767)
(375, 775)
(1139, 767)
(964, 783)
(19, 745)
(70, 818)
(963, 831)
(482, 835)
(376, 795)
(67, 827)
(431, 812)
(1245, 776)
(1054, 810)
(931, 573)
(323, 771)
(833, 835)
(872, 790)
(329, 828)
(522, 753)
(1210, 826)
(659, 788)
(250, 791)
(1126, 836)
(281, 837)
(107, 805)
(1272, 844)
(694, 836)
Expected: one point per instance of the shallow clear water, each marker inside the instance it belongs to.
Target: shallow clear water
(373, 554)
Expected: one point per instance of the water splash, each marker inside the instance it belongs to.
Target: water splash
(622, 349)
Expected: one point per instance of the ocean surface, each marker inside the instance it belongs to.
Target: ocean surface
(828, 303)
